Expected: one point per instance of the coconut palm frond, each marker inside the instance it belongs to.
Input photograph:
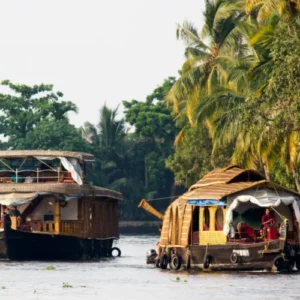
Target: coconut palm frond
(188, 33)
(179, 138)
(250, 5)
(197, 54)
(185, 86)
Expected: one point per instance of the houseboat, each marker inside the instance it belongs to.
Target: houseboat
(232, 219)
(49, 211)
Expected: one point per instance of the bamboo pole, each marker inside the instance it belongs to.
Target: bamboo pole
(145, 205)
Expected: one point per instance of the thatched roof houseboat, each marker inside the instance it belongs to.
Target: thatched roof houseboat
(231, 219)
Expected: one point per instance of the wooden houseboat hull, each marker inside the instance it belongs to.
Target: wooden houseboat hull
(274, 255)
(19, 245)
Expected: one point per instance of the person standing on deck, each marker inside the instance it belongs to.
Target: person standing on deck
(267, 220)
(15, 212)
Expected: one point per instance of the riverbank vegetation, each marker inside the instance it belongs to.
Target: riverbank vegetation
(235, 101)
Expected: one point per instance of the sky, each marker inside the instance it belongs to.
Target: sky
(94, 51)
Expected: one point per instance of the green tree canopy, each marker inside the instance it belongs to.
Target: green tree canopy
(54, 135)
(26, 106)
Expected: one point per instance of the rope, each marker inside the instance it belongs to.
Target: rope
(280, 215)
(22, 164)
(45, 164)
(163, 198)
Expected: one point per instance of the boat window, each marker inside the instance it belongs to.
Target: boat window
(195, 226)
(206, 219)
(219, 219)
(196, 219)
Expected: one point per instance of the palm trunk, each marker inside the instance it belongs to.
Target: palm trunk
(296, 179)
(267, 171)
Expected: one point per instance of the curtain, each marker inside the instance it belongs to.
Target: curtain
(262, 198)
(72, 165)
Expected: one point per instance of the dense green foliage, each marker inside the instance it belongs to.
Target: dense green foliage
(53, 134)
(241, 82)
(236, 101)
(25, 108)
(134, 162)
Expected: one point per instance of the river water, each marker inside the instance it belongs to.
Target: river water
(128, 277)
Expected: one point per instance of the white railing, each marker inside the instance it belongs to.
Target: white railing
(34, 176)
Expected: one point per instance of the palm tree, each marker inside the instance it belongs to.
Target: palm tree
(60, 110)
(228, 111)
(111, 130)
(89, 133)
(207, 56)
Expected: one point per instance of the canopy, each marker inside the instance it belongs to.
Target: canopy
(46, 153)
(262, 198)
(16, 199)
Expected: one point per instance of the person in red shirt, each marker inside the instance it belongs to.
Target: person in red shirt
(267, 220)
(245, 231)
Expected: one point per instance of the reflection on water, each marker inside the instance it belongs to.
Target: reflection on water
(128, 277)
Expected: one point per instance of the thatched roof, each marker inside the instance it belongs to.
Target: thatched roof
(215, 185)
(221, 183)
(49, 153)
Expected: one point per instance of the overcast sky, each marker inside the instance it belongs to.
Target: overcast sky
(94, 51)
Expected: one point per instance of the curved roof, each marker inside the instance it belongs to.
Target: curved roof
(228, 175)
(51, 153)
(221, 183)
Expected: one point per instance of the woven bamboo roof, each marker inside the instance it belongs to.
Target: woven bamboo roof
(49, 153)
(228, 175)
(221, 183)
(85, 190)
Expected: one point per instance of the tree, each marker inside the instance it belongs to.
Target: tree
(152, 143)
(111, 130)
(287, 10)
(141, 115)
(54, 135)
(193, 157)
(252, 105)
(24, 108)
(207, 57)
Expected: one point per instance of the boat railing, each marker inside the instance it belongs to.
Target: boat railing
(40, 226)
(35, 176)
(71, 227)
(65, 228)
(32, 226)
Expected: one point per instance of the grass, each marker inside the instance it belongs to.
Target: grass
(50, 268)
